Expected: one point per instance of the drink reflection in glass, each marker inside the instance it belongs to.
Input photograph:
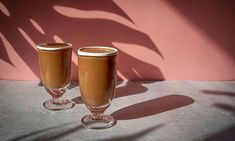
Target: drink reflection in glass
(55, 69)
(97, 68)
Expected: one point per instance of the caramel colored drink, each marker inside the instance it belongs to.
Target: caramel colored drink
(97, 79)
(55, 68)
(55, 64)
(97, 76)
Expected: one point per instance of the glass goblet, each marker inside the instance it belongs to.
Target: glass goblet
(97, 68)
(55, 69)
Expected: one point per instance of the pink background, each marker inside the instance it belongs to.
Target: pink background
(157, 40)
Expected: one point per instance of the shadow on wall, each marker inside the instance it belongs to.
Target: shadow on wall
(215, 18)
(83, 23)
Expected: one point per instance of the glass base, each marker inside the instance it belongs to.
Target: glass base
(53, 105)
(102, 122)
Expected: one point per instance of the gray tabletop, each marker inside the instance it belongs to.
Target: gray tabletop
(150, 111)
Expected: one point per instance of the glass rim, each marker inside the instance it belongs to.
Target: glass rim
(42, 46)
(111, 53)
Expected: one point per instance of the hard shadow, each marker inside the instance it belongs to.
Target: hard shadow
(215, 18)
(40, 83)
(134, 136)
(23, 137)
(138, 69)
(48, 134)
(73, 84)
(152, 107)
(105, 5)
(227, 134)
(77, 100)
(225, 107)
(80, 31)
(218, 93)
(130, 88)
(4, 54)
(55, 136)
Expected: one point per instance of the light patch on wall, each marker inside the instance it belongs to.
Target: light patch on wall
(21, 67)
(4, 10)
(37, 26)
(93, 14)
(59, 40)
(121, 75)
(137, 73)
(27, 38)
(139, 52)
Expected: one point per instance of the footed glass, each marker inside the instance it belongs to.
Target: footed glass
(55, 69)
(97, 70)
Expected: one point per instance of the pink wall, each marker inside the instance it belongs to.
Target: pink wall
(168, 39)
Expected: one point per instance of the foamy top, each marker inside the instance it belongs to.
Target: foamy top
(97, 51)
(54, 46)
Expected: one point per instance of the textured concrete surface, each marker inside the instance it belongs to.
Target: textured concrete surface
(150, 111)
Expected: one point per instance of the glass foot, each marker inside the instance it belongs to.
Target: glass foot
(57, 106)
(102, 122)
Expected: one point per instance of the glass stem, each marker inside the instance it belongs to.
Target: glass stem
(97, 116)
(57, 100)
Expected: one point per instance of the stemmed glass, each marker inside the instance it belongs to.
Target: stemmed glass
(97, 68)
(55, 69)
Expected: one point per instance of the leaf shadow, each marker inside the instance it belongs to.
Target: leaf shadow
(225, 107)
(134, 136)
(227, 134)
(214, 18)
(218, 93)
(3, 54)
(48, 134)
(78, 31)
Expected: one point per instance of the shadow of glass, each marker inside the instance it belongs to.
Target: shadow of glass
(73, 84)
(40, 83)
(134, 136)
(152, 107)
(77, 100)
(218, 93)
(130, 88)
